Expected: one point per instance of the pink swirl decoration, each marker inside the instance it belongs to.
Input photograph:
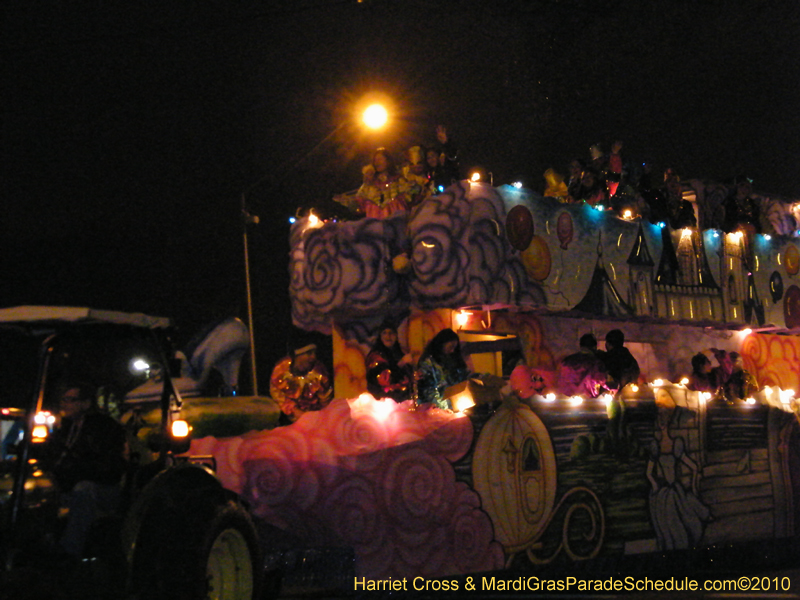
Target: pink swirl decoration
(358, 436)
(203, 446)
(451, 440)
(279, 473)
(319, 425)
(417, 488)
(421, 550)
(473, 537)
(372, 475)
(353, 513)
(229, 464)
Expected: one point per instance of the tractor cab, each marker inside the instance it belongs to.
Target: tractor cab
(157, 536)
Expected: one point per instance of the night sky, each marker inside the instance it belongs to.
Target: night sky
(130, 129)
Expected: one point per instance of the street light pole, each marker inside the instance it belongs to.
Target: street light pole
(374, 117)
(247, 219)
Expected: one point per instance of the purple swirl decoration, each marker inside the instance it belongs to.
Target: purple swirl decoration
(343, 268)
(458, 253)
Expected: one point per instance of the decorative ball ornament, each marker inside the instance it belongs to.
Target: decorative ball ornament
(776, 286)
(791, 307)
(536, 259)
(791, 258)
(514, 471)
(565, 229)
(519, 227)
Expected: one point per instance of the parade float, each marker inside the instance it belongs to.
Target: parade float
(517, 482)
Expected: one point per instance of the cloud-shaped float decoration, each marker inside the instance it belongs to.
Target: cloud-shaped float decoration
(460, 253)
(343, 268)
(371, 475)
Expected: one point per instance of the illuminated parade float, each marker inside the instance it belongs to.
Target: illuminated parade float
(520, 476)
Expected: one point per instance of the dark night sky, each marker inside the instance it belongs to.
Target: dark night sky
(129, 129)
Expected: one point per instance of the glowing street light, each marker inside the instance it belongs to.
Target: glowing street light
(375, 116)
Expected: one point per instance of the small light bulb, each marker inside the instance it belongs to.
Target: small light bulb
(180, 428)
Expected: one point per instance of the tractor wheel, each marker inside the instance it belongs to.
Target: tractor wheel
(229, 556)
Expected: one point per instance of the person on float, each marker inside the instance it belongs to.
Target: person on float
(441, 161)
(592, 190)
(598, 161)
(741, 384)
(742, 211)
(384, 191)
(440, 366)
(576, 169)
(556, 188)
(680, 212)
(300, 383)
(415, 172)
(448, 155)
(703, 378)
(582, 373)
(621, 368)
(614, 168)
(722, 372)
(390, 372)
